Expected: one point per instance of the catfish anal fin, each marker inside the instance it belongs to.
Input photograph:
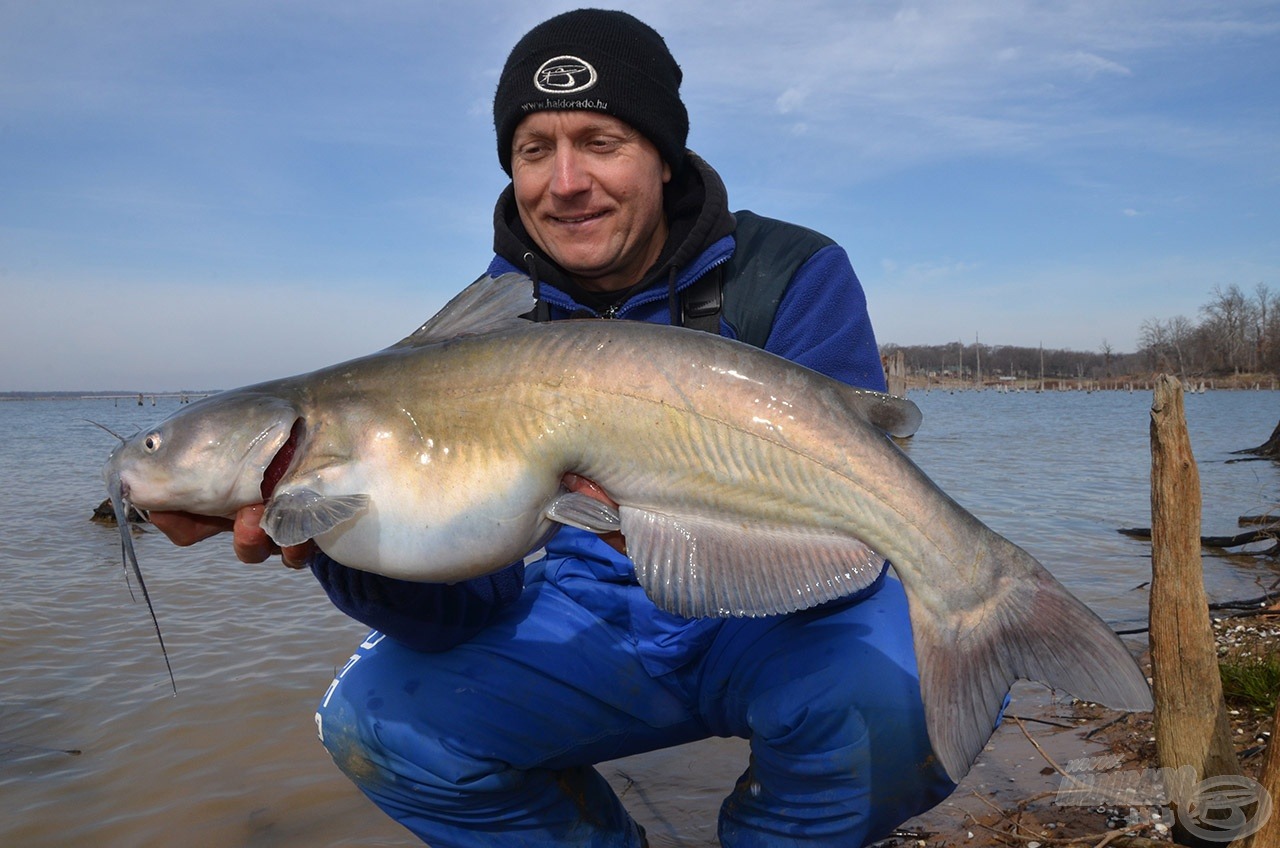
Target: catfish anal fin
(704, 566)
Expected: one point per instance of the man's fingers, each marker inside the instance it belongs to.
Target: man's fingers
(184, 528)
(585, 486)
(250, 542)
(297, 556)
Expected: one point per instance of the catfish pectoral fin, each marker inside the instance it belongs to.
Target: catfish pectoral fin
(584, 512)
(295, 516)
(1038, 632)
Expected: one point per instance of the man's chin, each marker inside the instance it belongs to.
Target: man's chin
(591, 274)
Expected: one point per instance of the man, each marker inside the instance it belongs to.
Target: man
(475, 712)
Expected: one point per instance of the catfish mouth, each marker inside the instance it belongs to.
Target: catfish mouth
(281, 461)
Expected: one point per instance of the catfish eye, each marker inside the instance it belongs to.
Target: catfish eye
(151, 443)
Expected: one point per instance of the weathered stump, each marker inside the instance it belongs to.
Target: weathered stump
(1268, 836)
(1191, 724)
(896, 374)
(1270, 448)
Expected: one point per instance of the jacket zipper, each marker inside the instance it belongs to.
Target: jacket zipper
(612, 311)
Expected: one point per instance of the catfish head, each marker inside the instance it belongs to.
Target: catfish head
(209, 458)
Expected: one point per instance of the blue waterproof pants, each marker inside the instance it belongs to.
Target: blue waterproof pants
(494, 741)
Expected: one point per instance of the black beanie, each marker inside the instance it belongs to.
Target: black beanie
(597, 60)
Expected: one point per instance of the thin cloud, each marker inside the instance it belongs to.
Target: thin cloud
(941, 80)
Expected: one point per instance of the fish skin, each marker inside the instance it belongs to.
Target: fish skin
(746, 484)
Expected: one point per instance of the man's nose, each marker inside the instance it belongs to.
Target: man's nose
(570, 176)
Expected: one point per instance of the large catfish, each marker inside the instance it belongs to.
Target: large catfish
(747, 485)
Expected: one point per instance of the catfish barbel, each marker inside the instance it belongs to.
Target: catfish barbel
(747, 485)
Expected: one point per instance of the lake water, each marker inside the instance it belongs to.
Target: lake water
(232, 760)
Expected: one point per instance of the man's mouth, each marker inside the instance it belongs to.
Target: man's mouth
(576, 219)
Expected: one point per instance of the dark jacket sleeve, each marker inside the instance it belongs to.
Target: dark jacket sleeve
(423, 616)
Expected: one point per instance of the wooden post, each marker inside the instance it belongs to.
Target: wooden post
(1191, 724)
(896, 375)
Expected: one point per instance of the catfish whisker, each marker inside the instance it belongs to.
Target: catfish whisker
(105, 427)
(129, 559)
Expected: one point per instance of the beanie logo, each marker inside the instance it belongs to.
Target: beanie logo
(564, 75)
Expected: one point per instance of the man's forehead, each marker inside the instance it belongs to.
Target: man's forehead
(572, 121)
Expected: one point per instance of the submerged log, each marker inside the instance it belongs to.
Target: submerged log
(104, 514)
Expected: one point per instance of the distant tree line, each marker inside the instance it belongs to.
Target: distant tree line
(993, 363)
(1237, 333)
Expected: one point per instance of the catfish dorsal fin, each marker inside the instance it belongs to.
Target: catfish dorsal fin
(488, 305)
(890, 414)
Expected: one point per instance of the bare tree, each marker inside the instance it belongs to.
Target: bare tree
(1153, 339)
(1229, 321)
(1182, 341)
(1267, 320)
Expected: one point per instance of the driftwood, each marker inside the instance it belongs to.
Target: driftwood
(1191, 724)
(1271, 531)
(1247, 603)
(1242, 608)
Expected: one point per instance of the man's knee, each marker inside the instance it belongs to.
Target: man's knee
(344, 727)
(383, 739)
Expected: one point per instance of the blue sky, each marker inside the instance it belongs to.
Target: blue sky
(210, 194)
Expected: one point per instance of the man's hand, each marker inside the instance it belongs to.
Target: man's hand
(248, 539)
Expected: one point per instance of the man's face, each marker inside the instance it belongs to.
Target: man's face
(588, 189)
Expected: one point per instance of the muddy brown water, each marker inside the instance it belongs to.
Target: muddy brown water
(96, 750)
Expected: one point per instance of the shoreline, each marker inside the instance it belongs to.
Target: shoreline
(1063, 772)
(1130, 383)
(913, 382)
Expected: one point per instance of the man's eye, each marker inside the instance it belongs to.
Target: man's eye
(531, 151)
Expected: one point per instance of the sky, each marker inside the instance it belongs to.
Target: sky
(208, 194)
